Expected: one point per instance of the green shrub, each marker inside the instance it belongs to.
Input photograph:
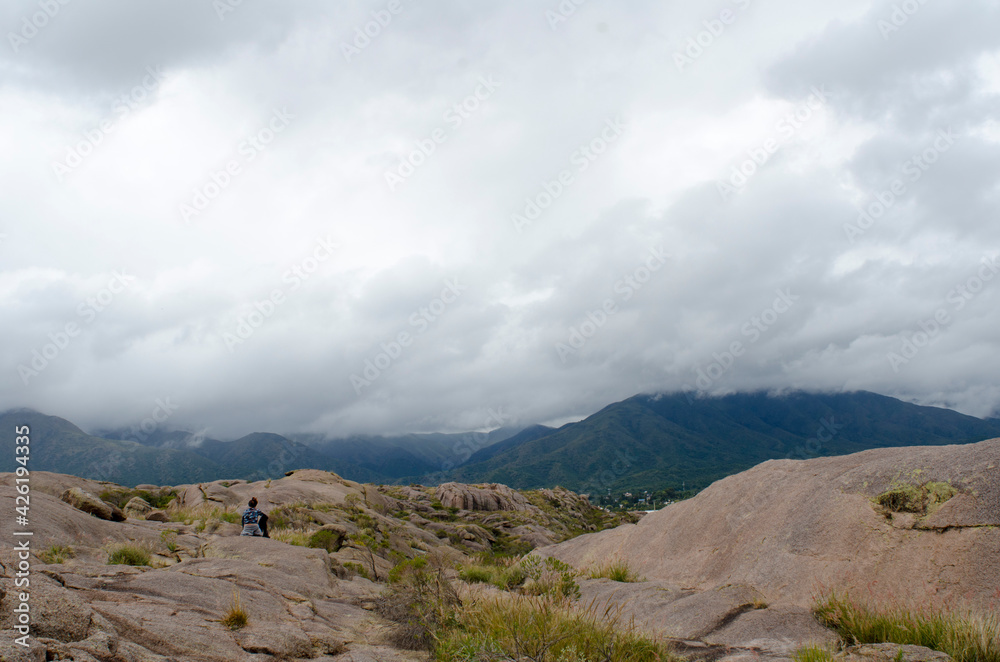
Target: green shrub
(57, 554)
(126, 554)
(550, 577)
(966, 637)
(326, 539)
(420, 601)
(358, 569)
(919, 499)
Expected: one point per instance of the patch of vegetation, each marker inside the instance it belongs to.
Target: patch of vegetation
(122, 496)
(514, 627)
(813, 654)
(127, 554)
(289, 536)
(965, 637)
(291, 516)
(920, 499)
(551, 577)
(616, 570)
(325, 539)
(57, 554)
(237, 616)
(358, 569)
(169, 538)
(421, 601)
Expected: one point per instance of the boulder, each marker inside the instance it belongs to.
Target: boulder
(891, 653)
(137, 507)
(91, 505)
(481, 497)
(794, 529)
(157, 516)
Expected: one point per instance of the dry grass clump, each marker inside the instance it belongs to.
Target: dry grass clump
(128, 554)
(516, 627)
(57, 554)
(965, 637)
(237, 616)
(615, 570)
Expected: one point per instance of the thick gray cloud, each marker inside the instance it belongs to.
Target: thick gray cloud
(280, 223)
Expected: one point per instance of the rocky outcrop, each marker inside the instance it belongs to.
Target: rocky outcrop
(491, 497)
(91, 505)
(137, 507)
(792, 529)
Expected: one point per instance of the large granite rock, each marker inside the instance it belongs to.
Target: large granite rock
(92, 505)
(481, 497)
(794, 528)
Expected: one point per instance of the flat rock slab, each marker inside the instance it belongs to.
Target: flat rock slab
(891, 653)
(777, 631)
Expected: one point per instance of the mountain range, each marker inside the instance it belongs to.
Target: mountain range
(644, 442)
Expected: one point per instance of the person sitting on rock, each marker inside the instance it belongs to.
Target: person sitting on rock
(254, 521)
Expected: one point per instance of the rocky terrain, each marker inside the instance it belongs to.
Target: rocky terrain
(732, 574)
(305, 602)
(745, 560)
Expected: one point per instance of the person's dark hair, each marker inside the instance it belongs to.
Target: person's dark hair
(253, 502)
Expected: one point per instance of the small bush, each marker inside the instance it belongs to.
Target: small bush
(420, 600)
(326, 539)
(618, 571)
(127, 554)
(57, 554)
(236, 617)
(550, 577)
(966, 637)
(231, 516)
(919, 499)
(358, 569)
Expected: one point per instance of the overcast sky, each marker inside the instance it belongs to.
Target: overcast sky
(401, 216)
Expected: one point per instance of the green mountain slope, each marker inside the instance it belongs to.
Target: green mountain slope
(58, 445)
(654, 442)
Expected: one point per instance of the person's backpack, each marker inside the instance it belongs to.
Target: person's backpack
(250, 516)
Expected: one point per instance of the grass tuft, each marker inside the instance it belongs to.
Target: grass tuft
(616, 570)
(236, 617)
(57, 554)
(963, 636)
(516, 627)
(127, 554)
(813, 654)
